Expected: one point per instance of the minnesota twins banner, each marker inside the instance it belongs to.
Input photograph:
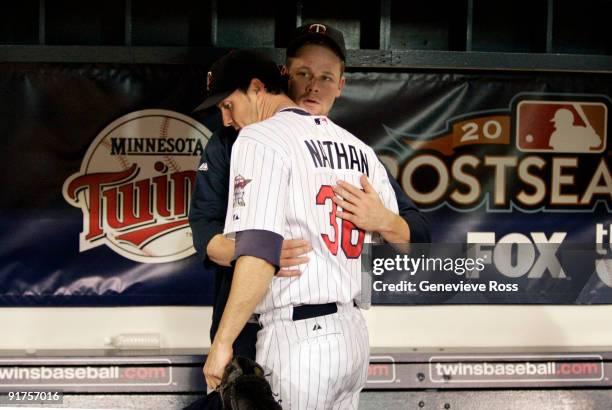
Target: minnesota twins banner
(98, 167)
(98, 164)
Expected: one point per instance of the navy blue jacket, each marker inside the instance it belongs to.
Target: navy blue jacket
(209, 205)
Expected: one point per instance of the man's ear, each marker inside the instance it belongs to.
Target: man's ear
(284, 70)
(340, 86)
(256, 86)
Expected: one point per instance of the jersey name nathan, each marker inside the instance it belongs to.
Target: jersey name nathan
(282, 173)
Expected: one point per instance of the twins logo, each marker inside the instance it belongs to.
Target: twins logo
(134, 186)
(239, 183)
(317, 28)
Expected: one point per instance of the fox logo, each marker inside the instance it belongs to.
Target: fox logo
(135, 184)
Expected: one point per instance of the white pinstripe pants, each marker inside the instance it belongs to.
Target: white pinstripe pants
(317, 363)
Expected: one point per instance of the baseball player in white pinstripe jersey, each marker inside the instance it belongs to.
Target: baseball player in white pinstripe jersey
(284, 166)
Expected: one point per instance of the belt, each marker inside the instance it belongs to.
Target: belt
(309, 311)
(306, 312)
(302, 312)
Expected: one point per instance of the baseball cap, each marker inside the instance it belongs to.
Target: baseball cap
(236, 70)
(317, 33)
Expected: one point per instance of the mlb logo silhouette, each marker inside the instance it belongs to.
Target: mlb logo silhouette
(561, 126)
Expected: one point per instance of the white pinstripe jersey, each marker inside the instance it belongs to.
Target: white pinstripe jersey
(282, 171)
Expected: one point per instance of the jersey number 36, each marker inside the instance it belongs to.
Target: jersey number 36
(351, 250)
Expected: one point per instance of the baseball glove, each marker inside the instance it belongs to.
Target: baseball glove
(244, 387)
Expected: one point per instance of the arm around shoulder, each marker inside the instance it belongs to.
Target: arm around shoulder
(418, 225)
